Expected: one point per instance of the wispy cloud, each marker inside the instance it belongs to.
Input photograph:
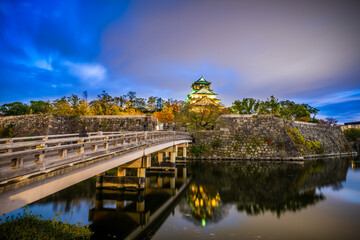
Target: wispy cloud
(339, 97)
(90, 73)
(43, 64)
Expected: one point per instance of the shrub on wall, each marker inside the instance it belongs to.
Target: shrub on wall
(301, 143)
(216, 143)
(199, 150)
(7, 131)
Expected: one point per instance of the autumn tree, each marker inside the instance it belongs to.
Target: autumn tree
(166, 115)
(62, 106)
(199, 118)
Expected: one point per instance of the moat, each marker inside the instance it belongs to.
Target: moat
(319, 199)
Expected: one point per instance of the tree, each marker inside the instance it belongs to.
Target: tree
(246, 106)
(15, 108)
(37, 107)
(150, 104)
(62, 106)
(159, 104)
(199, 118)
(270, 106)
(140, 104)
(131, 98)
(352, 134)
(104, 105)
(331, 121)
(166, 115)
(85, 96)
(311, 110)
(292, 111)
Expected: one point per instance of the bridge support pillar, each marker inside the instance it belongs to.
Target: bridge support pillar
(184, 152)
(148, 161)
(147, 181)
(120, 205)
(140, 206)
(172, 183)
(99, 180)
(141, 176)
(121, 172)
(184, 174)
(159, 182)
(160, 157)
(173, 154)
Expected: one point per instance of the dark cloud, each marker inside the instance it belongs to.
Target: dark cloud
(301, 50)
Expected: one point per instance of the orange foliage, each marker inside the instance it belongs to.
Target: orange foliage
(166, 115)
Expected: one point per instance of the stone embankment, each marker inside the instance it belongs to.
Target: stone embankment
(47, 124)
(269, 137)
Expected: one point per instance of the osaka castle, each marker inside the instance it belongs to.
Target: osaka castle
(201, 94)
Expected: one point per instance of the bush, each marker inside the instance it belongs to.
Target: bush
(32, 226)
(7, 131)
(216, 143)
(199, 150)
(315, 147)
(352, 134)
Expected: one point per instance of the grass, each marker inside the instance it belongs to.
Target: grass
(32, 226)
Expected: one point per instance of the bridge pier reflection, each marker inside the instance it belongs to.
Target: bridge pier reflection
(139, 209)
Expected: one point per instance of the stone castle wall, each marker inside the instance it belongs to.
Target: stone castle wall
(27, 125)
(267, 137)
(47, 124)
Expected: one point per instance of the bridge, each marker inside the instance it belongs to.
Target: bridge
(34, 167)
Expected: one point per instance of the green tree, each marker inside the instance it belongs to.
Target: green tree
(352, 134)
(270, 106)
(40, 107)
(199, 118)
(292, 111)
(131, 98)
(246, 106)
(151, 103)
(140, 104)
(15, 108)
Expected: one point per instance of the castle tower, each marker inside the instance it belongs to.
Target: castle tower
(201, 94)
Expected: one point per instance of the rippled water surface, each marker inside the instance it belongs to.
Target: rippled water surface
(224, 200)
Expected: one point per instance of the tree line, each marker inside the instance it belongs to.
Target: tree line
(104, 104)
(167, 111)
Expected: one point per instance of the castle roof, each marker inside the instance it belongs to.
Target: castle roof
(202, 80)
(204, 91)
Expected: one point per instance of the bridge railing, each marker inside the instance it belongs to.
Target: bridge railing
(21, 156)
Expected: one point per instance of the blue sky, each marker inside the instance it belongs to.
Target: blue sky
(306, 51)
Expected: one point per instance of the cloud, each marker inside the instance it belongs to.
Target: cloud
(272, 47)
(43, 64)
(339, 97)
(92, 74)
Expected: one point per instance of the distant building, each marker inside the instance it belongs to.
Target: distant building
(201, 94)
(350, 125)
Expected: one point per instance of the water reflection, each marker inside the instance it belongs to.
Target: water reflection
(258, 187)
(130, 214)
(220, 197)
(204, 203)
